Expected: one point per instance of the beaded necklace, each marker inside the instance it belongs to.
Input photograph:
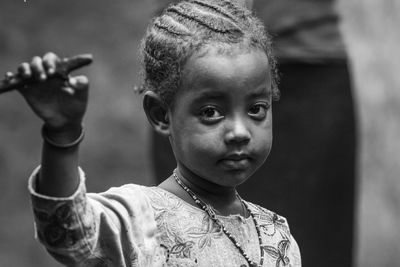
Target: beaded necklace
(211, 213)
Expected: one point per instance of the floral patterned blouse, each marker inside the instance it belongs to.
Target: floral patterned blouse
(134, 225)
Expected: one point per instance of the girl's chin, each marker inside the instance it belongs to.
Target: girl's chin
(226, 174)
(233, 178)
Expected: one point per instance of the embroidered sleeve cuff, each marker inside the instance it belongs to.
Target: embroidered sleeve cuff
(63, 225)
(32, 188)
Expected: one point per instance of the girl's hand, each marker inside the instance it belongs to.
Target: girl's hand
(60, 103)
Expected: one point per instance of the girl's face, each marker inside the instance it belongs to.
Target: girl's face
(221, 123)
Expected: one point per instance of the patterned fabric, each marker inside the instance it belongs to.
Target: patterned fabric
(135, 225)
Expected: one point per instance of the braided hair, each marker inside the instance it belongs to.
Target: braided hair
(191, 25)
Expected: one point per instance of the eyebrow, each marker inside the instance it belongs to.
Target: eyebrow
(209, 94)
(261, 91)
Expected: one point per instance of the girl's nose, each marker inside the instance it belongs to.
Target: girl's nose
(237, 132)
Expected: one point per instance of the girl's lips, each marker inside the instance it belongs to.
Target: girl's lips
(237, 157)
(236, 162)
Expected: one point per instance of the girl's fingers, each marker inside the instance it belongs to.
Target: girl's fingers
(24, 70)
(76, 84)
(79, 82)
(9, 75)
(68, 90)
(50, 61)
(37, 68)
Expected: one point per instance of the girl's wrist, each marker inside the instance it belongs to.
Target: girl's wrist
(65, 137)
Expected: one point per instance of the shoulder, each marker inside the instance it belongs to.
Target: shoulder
(153, 196)
(267, 217)
(131, 198)
(124, 191)
(276, 234)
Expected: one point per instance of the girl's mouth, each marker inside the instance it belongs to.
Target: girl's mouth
(236, 162)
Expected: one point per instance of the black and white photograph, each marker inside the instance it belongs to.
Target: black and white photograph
(183, 133)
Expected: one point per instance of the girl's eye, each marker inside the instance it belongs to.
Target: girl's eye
(259, 111)
(210, 114)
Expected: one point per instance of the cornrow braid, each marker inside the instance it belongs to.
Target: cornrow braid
(210, 21)
(189, 26)
(170, 26)
(239, 12)
(215, 8)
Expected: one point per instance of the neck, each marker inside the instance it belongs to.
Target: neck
(223, 199)
(205, 189)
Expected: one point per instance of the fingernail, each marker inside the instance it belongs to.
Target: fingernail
(9, 75)
(51, 71)
(68, 90)
(42, 76)
(72, 81)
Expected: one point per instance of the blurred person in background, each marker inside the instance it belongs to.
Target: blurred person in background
(312, 160)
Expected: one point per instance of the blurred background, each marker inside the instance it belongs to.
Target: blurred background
(344, 213)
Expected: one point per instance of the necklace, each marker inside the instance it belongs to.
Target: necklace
(211, 213)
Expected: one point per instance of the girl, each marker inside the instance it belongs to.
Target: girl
(209, 82)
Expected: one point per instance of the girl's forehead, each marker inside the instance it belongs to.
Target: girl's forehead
(213, 63)
(215, 71)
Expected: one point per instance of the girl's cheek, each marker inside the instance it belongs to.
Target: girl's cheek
(206, 144)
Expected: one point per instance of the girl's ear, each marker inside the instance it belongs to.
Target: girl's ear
(156, 112)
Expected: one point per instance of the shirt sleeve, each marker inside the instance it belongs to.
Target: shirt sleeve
(294, 253)
(114, 228)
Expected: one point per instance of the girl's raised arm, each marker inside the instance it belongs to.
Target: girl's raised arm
(60, 101)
